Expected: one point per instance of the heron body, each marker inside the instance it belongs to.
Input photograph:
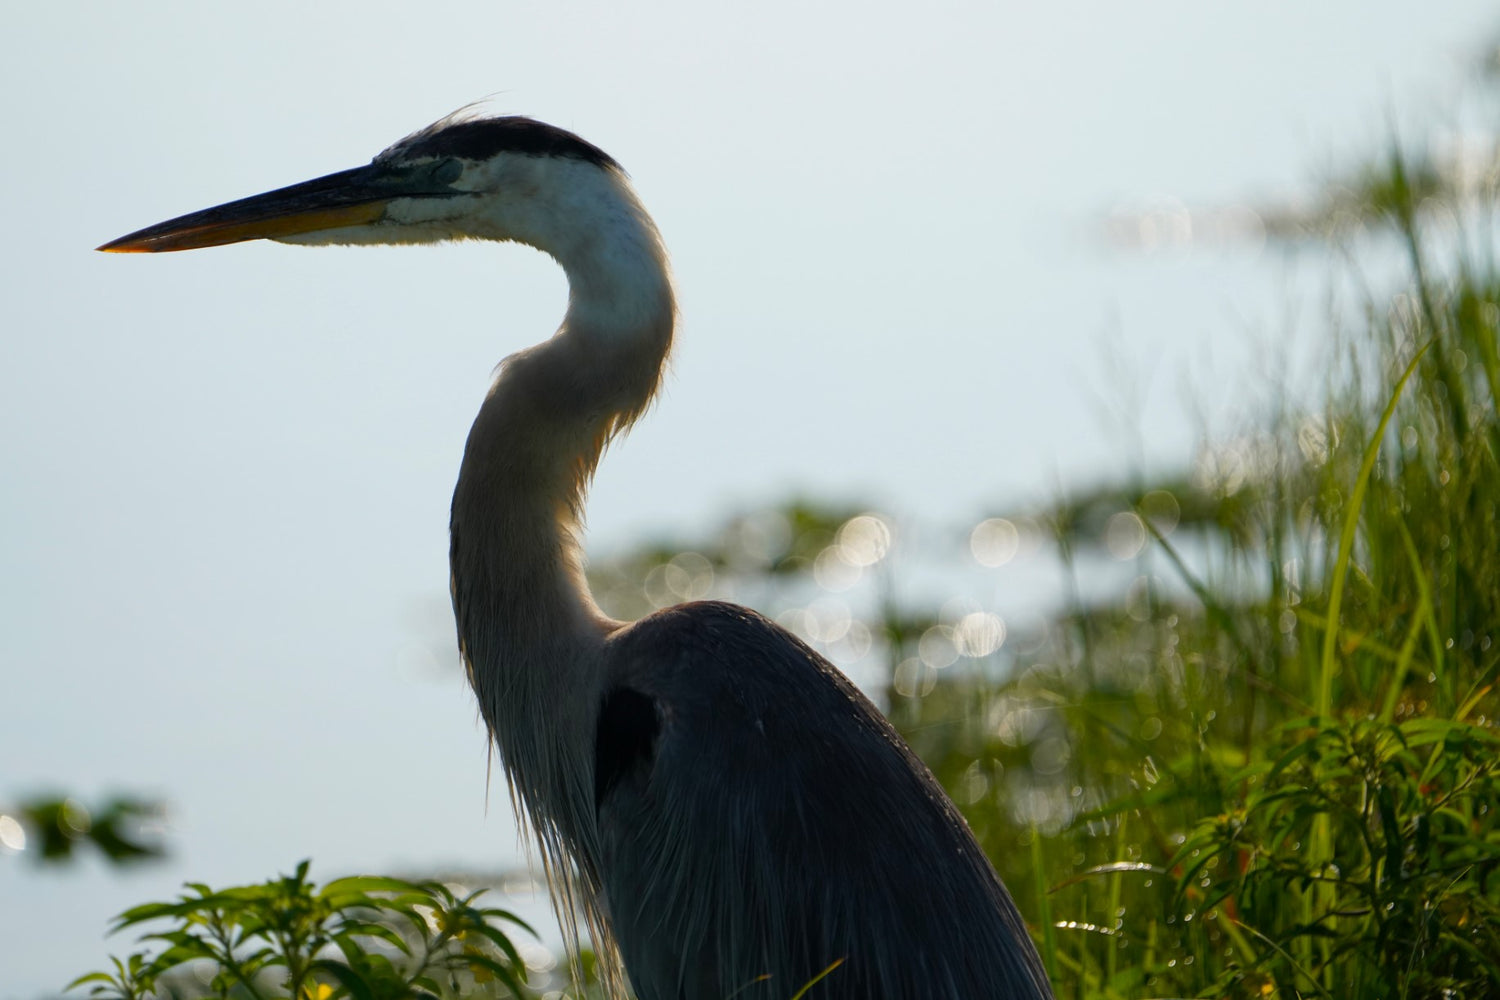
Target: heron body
(731, 816)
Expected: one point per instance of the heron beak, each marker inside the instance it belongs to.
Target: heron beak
(355, 197)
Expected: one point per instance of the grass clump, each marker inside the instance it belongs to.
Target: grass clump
(1271, 765)
(1268, 765)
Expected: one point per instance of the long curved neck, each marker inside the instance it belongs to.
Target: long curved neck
(529, 630)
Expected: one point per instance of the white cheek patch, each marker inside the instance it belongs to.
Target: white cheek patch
(370, 235)
(406, 221)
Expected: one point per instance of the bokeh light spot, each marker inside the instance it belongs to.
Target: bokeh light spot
(913, 678)
(833, 571)
(75, 818)
(974, 785)
(1125, 535)
(979, 633)
(855, 643)
(12, 834)
(936, 647)
(693, 577)
(864, 540)
(537, 957)
(1161, 509)
(828, 620)
(994, 542)
(1312, 441)
(1050, 755)
(689, 576)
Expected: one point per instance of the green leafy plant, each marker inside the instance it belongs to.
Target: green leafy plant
(1403, 903)
(365, 938)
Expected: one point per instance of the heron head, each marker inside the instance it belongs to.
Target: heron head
(508, 178)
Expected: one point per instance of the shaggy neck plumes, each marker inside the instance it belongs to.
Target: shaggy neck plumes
(528, 628)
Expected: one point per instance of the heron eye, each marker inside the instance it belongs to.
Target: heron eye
(447, 171)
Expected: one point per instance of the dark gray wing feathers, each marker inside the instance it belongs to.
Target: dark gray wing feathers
(624, 738)
(780, 808)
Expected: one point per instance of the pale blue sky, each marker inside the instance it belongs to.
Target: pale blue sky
(227, 473)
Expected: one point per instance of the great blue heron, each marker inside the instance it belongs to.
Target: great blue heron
(729, 813)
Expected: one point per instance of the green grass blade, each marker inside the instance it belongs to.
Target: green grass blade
(1414, 633)
(1323, 700)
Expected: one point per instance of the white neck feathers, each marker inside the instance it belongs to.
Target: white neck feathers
(529, 629)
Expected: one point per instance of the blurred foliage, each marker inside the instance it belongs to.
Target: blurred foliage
(1376, 195)
(365, 938)
(1269, 764)
(51, 829)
